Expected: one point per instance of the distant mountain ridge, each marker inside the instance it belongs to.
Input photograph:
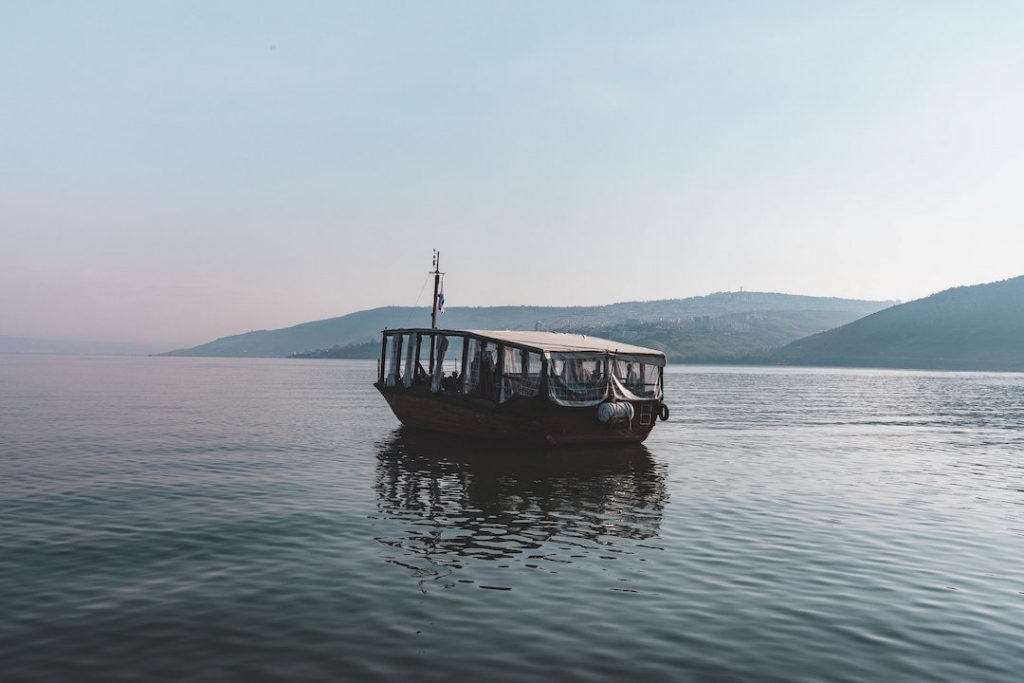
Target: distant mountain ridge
(978, 327)
(362, 326)
(723, 339)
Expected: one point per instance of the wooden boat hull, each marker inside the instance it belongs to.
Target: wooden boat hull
(529, 420)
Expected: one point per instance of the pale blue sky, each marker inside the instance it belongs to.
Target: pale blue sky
(171, 172)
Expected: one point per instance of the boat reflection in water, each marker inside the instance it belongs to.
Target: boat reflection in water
(447, 503)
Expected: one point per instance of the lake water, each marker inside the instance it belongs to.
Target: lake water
(260, 520)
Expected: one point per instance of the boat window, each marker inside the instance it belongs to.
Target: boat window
(417, 360)
(481, 369)
(423, 353)
(577, 378)
(642, 380)
(452, 361)
(393, 360)
(447, 363)
(520, 373)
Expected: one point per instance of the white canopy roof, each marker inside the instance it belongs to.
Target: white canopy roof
(565, 342)
(556, 342)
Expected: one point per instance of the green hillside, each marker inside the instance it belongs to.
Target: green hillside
(728, 338)
(366, 350)
(966, 328)
(800, 314)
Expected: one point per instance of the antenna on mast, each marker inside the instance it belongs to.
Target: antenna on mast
(437, 284)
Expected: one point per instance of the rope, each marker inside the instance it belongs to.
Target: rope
(406, 323)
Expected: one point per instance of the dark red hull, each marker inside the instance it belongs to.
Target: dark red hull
(530, 420)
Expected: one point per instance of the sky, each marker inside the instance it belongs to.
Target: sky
(175, 172)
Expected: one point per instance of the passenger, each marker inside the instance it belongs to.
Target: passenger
(451, 383)
(632, 379)
(420, 377)
(487, 375)
(578, 374)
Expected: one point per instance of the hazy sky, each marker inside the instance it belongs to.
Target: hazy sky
(172, 172)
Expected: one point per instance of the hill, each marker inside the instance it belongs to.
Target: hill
(802, 315)
(730, 338)
(980, 327)
(366, 350)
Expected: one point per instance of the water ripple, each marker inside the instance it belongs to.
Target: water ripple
(217, 519)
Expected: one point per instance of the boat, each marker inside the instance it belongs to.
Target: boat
(545, 388)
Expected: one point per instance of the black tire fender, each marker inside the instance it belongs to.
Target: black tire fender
(663, 412)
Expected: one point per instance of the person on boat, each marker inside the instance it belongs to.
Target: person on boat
(487, 368)
(421, 376)
(578, 374)
(633, 379)
(451, 382)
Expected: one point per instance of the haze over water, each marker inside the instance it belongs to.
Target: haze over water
(216, 519)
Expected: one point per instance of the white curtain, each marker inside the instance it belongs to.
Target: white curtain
(442, 348)
(634, 380)
(396, 360)
(410, 360)
(520, 374)
(577, 379)
(471, 374)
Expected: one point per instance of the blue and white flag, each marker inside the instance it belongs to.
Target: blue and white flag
(440, 300)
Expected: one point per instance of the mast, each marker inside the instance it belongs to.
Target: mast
(437, 284)
(433, 310)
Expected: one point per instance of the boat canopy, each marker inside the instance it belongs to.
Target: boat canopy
(548, 342)
(581, 370)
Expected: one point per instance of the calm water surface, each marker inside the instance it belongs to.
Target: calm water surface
(248, 520)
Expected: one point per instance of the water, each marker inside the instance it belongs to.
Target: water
(248, 520)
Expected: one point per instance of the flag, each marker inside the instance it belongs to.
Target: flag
(440, 301)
